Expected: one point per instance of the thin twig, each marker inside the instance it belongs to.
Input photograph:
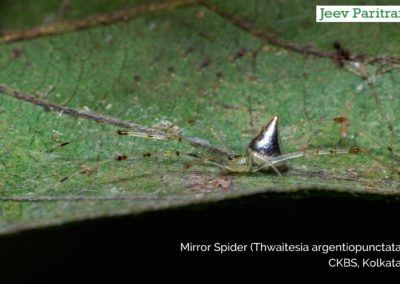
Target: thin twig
(384, 115)
(299, 48)
(92, 21)
(305, 91)
(48, 106)
(76, 198)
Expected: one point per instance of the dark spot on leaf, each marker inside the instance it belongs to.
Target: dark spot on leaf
(354, 151)
(342, 55)
(16, 53)
(205, 63)
(199, 14)
(205, 184)
(121, 157)
(239, 53)
(337, 45)
(171, 70)
(63, 179)
(187, 165)
(340, 119)
(122, 132)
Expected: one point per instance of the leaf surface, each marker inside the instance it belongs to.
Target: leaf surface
(229, 65)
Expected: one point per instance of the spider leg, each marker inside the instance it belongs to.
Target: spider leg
(288, 130)
(335, 120)
(170, 153)
(156, 134)
(329, 152)
(214, 133)
(60, 145)
(145, 155)
(267, 163)
(317, 152)
(345, 124)
(315, 132)
(192, 141)
(313, 137)
(375, 140)
(151, 133)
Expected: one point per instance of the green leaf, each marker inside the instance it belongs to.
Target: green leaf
(228, 65)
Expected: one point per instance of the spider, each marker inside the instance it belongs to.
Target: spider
(262, 154)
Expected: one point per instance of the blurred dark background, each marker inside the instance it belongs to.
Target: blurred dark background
(149, 244)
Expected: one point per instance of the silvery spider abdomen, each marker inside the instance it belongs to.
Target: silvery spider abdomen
(265, 146)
